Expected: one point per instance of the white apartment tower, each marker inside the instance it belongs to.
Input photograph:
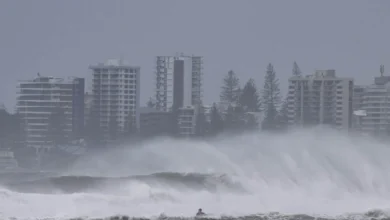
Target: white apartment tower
(358, 94)
(321, 98)
(116, 93)
(178, 81)
(357, 106)
(376, 104)
(38, 98)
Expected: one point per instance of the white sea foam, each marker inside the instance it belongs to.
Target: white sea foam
(318, 172)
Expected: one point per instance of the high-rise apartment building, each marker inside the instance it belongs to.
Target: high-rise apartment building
(358, 93)
(357, 105)
(321, 98)
(376, 105)
(40, 97)
(178, 81)
(116, 93)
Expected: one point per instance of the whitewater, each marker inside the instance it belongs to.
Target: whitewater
(304, 174)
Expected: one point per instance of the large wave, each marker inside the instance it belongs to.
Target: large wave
(82, 184)
(317, 173)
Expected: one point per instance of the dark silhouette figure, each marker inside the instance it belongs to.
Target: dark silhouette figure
(200, 213)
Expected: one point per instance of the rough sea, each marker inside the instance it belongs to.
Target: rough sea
(305, 175)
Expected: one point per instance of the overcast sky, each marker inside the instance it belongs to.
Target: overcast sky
(61, 38)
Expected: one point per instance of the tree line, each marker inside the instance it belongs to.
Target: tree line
(244, 103)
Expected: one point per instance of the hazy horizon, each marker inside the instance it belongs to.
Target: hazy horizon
(62, 38)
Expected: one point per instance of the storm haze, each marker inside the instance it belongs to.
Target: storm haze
(62, 38)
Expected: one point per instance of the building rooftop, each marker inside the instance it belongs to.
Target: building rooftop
(321, 74)
(382, 80)
(177, 54)
(114, 63)
(50, 79)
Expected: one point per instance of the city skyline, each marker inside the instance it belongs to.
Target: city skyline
(195, 110)
(62, 45)
(283, 82)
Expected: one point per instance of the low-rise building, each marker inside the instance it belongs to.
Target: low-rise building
(187, 121)
(154, 122)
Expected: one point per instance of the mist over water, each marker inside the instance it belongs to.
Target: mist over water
(315, 172)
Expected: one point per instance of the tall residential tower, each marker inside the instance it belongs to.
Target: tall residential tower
(178, 81)
(321, 98)
(116, 93)
(376, 104)
(39, 98)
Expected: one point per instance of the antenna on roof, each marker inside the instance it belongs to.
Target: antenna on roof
(382, 69)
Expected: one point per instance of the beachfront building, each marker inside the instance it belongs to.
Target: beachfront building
(320, 98)
(42, 97)
(115, 95)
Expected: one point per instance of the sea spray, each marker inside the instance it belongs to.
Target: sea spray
(314, 172)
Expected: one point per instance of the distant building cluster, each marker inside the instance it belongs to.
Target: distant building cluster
(324, 98)
(111, 107)
(114, 97)
(372, 106)
(179, 89)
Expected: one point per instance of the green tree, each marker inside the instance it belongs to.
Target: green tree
(6, 121)
(234, 119)
(19, 131)
(271, 99)
(249, 98)
(11, 130)
(229, 119)
(151, 103)
(296, 71)
(230, 89)
(216, 121)
(283, 115)
(251, 122)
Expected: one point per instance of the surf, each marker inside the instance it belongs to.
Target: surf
(317, 172)
(79, 184)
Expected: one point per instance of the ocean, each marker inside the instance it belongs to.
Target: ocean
(305, 175)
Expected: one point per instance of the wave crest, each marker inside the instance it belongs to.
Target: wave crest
(79, 184)
(370, 215)
(298, 174)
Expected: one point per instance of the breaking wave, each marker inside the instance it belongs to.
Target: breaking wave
(302, 175)
(82, 184)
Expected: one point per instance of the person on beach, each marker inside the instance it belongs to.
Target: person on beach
(200, 213)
